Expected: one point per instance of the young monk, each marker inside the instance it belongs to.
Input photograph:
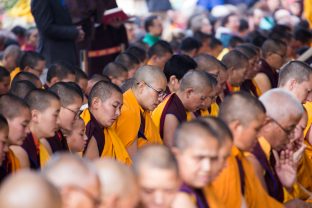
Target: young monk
(59, 72)
(157, 173)
(4, 80)
(237, 64)
(105, 101)
(76, 180)
(4, 135)
(22, 88)
(76, 138)
(273, 164)
(119, 187)
(28, 77)
(116, 72)
(135, 126)
(17, 113)
(71, 97)
(196, 149)
(194, 93)
(29, 190)
(237, 185)
(45, 107)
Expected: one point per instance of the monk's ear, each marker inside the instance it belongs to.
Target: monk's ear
(95, 103)
(235, 125)
(175, 151)
(291, 84)
(189, 92)
(35, 114)
(173, 79)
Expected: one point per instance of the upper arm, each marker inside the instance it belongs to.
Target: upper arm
(263, 82)
(258, 169)
(22, 156)
(170, 125)
(92, 151)
(183, 200)
(133, 148)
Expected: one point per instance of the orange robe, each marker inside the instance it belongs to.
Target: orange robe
(227, 186)
(113, 147)
(135, 123)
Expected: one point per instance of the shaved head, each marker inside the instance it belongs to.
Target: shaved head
(197, 80)
(156, 156)
(28, 77)
(241, 107)
(209, 64)
(67, 92)
(117, 180)
(296, 70)
(28, 190)
(103, 90)
(189, 132)
(22, 88)
(41, 99)
(11, 106)
(220, 128)
(95, 79)
(149, 74)
(281, 105)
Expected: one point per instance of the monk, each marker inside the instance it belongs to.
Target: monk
(196, 149)
(59, 72)
(237, 64)
(237, 185)
(22, 88)
(273, 163)
(4, 134)
(159, 54)
(29, 77)
(71, 97)
(105, 101)
(195, 92)
(119, 187)
(4, 80)
(45, 107)
(157, 173)
(135, 127)
(28, 190)
(76, 138)
(17, 113)
(76, 179)
(116, 72)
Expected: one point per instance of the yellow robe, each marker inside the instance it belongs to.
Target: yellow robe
(308, 107)
(44, 155)
(113, 147)
(227, 186)
(15, 164)
(212, 199)
(222, 53)
(128, 124)
(14, 73)
(308, 11)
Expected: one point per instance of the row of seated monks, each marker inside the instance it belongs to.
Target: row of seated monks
(198, 133)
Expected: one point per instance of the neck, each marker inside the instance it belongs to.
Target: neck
(35, 131)
(137, 96)
(94, 114)
(182, 98)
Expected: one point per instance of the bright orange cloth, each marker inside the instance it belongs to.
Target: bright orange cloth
(14, 162)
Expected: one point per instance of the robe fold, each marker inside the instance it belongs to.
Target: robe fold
(171, 105)
(31, 146)
(132, 121)
(228, 185)
(197, 195)
(58, 143)
(110, 144)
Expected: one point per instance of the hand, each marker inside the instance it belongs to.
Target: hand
(81, 34)
(298, 154)
(297, 203)
(285, 168)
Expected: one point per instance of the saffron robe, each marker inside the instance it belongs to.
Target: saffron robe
(251, 87)
(197, 195)
(58, 143)
(271, 73)
(9, 165)
(171, 105)
(108, 142)
(135, 123)
(238, 179)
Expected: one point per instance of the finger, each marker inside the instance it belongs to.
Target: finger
(277, 159)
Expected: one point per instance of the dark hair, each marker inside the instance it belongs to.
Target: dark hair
(149, 21)
(138, 52)
(188, 44)
(303, 35)
(235, 41)
(114, 69)
(3, 73)
(30, 59)
(22, 88)
(127, 60)
(60, 70)
(179, 65)
(159, 49)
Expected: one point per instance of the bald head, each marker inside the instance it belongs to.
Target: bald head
(296, 70)
(103, 90)
(155, 156)
(241, 107)
(281, 105)
(220, 128)
(117, 180)
(149, 74)
(11, 106)
(209, 64)
(28, 190)
(190, 132)
(41, 99)
(197, 80)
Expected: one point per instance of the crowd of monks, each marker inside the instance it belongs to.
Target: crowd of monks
(166, 130)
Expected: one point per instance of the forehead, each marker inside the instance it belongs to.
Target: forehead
(53, 104)
(202, 143)
(157, 177)
(114, 97)
(159, 83)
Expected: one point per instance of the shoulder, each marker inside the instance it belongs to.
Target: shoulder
(183, 200)
(21, 155)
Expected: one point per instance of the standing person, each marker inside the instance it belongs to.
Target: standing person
(57, 32)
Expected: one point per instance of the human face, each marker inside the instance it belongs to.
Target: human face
(108, 110)
(162, 60)
(223, 155)
(33, 38)
(68, 114)
(38, 69)
(120, 79)
(283, 131)
(233, 23)
(69, 78)
(278, 59)
(18, 127)
(238, 75)
(298, 137)
(4, 85)
(197, 162)
(157, 28)
(152, 94)
(4, 133)
(158, 187)
(245, 137)
(301, 90)
(77, 139)
(47, 121)
(199, 99)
